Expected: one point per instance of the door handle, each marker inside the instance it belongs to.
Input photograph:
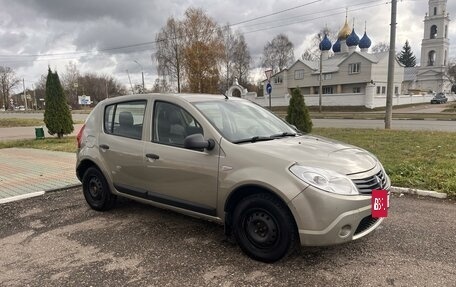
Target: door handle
(104, 146)
(152, 156)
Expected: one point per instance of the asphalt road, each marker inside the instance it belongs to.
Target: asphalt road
(56, 240)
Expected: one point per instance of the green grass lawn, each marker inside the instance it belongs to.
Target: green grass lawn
(18, 122)
(416, 159)
(67, 144)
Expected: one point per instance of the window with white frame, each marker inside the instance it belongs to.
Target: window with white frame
(354, 68)
(299, 74)
(378, 90)
(396, 90)
(327, 90)
(278, 79)
(356, 90)
(383, 90)
(327, 76)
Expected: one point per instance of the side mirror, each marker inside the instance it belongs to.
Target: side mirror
(197, 142)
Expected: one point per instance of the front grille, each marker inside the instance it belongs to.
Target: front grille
(366, 185)
(366, 223)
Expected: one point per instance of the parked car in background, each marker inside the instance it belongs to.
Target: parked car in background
(230, 161)
(440, 98)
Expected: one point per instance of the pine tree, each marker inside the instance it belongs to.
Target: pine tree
(298, 114)
(57, 115)
(406, 56)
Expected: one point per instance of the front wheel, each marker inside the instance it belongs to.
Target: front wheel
(264, 228)
(96, 190)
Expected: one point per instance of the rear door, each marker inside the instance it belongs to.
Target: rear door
(120, 143)
(175, 175)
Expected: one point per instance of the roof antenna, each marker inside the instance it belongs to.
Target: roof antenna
(365, 26)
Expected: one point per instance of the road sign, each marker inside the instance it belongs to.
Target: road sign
(269, 88)
(268, 74)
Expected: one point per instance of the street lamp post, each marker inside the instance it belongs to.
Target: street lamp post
(142, 75)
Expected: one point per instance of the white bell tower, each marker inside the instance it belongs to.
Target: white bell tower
(434, 49)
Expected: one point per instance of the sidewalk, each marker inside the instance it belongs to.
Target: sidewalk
(31, 172)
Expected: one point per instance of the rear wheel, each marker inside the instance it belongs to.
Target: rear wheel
(264, 228)
(96, 190)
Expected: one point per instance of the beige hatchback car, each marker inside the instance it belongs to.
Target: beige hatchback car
(230, 161)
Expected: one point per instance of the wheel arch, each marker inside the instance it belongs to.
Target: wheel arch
(242, 192)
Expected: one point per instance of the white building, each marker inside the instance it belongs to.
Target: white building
(355, 77)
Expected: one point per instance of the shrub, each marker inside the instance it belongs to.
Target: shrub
(298, 114)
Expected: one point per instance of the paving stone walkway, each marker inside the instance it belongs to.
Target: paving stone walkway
(31, 172)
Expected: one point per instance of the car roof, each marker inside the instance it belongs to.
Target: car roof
(186, 97)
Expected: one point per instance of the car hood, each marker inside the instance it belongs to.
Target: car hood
(320, 152)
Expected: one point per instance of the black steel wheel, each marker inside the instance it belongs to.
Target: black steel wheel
(264, 228)
(96, 190)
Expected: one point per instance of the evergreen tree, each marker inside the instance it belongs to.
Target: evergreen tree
(57, 115)
(298, 114)
(406, 56)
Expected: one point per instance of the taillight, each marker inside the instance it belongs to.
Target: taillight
(79, 136)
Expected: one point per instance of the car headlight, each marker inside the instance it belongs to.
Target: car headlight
(325, 179)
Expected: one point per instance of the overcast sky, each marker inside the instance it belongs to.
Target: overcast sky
(38, 33)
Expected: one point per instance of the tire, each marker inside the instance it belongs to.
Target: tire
(96, 190)
(264, 228)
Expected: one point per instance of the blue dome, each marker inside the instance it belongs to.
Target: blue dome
(325, 44)
(353, 39)
(336, 46)
(365, 42)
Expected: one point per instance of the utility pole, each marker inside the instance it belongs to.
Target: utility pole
(131, 86)
(320, 90)
(391, 60)
(25, 96)
(142, 75)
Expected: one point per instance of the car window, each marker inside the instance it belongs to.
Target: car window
(172, 124)
(125, 119)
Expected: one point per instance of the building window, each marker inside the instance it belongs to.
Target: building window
(354, 68)
(327, 90)
(433, 31)
(357, 90)
(445, 59)
(278, 79)
(378, 90)
(327, 76)
(431, 58)
(383, 90)
(435, 11)
(299, 74)
(446, 31)
(396, 91)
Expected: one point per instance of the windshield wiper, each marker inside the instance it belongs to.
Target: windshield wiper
(284, 134)
(253, 139)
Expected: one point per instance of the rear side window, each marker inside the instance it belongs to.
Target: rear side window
(125, 119)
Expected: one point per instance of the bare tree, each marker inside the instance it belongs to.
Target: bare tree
(313, 52)
(278, 53)
(170, 56)
(236, 58)
(241, 60)
(380, 47)
(70, 83)
(8, 81)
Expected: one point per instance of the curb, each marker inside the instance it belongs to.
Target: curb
(36, 193)
(402, 190)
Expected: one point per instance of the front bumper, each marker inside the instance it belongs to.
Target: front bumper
(328, 219)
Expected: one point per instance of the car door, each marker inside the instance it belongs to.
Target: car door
(175, 175)
(120, 143)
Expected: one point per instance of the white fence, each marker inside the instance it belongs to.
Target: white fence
(348, 100)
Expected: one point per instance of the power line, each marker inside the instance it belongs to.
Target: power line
(275, 13)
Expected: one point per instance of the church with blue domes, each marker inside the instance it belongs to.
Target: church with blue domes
(353, 76)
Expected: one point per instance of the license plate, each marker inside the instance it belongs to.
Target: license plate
(379, 203)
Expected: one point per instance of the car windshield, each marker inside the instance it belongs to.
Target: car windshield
(244, 121)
